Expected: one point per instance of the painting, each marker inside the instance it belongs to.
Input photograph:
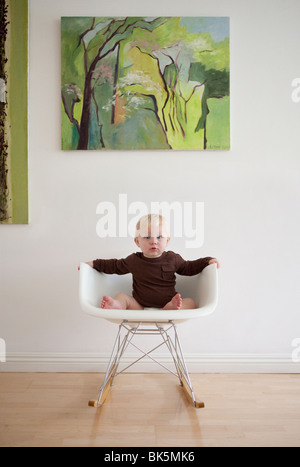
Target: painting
(145, 83)
(13, 112)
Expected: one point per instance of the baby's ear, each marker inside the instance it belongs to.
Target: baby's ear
(136, 241)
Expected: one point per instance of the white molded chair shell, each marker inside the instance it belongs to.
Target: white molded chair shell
(203, 289)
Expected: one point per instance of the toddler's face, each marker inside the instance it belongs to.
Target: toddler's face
(154, 244)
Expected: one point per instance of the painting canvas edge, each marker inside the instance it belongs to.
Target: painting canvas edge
(18, 106)
(15, 98)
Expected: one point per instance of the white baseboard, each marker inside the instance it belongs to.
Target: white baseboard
(90, 363)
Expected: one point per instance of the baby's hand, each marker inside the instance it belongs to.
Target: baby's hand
(215, 261)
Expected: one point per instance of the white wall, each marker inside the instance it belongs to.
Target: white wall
(251, 195)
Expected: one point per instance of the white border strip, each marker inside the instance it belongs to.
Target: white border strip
(210, 363)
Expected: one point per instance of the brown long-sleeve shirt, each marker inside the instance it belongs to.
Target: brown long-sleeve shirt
(154, 279)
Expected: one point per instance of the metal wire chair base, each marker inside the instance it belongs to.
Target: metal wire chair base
(167, 331)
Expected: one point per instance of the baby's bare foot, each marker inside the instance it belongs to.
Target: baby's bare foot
(175, 303)
(109, 303)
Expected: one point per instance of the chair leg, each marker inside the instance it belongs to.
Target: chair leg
(173, 345)
(181, 367)
(117, 352)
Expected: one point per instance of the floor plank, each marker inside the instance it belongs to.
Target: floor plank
(46, 409)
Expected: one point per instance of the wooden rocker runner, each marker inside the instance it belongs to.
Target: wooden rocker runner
(203, 288)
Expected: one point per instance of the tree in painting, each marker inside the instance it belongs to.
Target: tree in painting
(145, 83)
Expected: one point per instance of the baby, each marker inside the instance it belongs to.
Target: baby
(153, 270)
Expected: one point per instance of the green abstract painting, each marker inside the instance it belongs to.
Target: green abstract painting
(145, 83)
(13, 112)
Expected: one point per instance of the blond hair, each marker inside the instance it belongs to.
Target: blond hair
(152, 221)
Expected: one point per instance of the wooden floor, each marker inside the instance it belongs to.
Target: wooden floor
(46, 409)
